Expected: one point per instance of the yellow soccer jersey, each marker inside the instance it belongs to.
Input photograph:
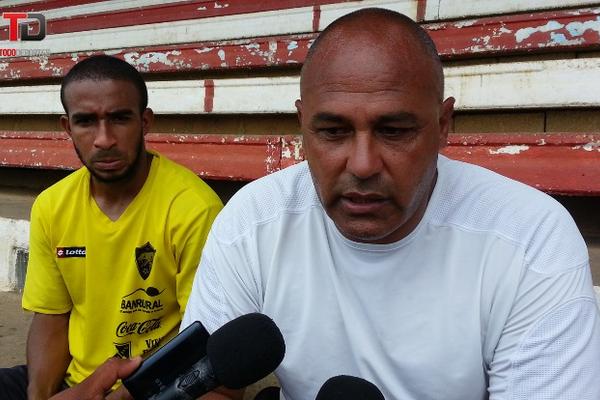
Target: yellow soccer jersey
(125, 282)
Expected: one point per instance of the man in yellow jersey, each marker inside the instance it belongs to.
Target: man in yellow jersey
(115, 245)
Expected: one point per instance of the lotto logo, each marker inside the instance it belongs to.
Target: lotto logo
(66, 252)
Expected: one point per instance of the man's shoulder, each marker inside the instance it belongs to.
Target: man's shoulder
(67, 189)
(479, 200)
(177, 181)
(285, 192)
(471, 187)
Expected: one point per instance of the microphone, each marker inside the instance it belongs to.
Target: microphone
(238, 354)
(167, 363)
(345, 387)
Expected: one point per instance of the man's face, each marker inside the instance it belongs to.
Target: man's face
(106, 126)
(371, 134)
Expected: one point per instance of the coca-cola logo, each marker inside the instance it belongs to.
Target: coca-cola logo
(126, 328)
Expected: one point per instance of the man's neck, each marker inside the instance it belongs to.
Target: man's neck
(113, 198)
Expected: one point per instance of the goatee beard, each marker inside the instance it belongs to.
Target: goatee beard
(127, 174)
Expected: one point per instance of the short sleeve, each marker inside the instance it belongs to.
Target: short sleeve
(549, 344)
(45, 291)
(224, 288)
(193, 236)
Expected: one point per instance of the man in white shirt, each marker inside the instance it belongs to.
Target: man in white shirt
(380, 258)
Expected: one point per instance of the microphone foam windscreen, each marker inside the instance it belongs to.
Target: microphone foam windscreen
(245, 350)
(345, 387)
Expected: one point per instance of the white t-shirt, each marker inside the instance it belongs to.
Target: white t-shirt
(489, 297)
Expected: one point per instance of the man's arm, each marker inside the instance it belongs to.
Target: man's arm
(550, 345)
(47, 354)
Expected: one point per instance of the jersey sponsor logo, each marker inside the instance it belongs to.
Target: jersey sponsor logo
(67, 252)
(123, 350)
(131, 305)
(144, 256)
(152, 343)
(127, 328)
(151, 346)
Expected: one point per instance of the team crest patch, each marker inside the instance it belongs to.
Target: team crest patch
(144, 256)
(123, 350)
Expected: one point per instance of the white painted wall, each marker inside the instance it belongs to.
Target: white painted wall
(511, 85)
(14, 233)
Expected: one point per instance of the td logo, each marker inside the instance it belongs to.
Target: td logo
(18, 30)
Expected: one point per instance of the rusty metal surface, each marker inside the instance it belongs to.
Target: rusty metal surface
(556, 163)
(531, 32)
(210, 156)
(166, 12)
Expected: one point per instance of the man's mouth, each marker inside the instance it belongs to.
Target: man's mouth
(108, 164)
(362, 203)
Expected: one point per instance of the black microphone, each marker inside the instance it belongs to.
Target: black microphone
(268, 393)
(173, 359)
(238, 354)
(345, 387)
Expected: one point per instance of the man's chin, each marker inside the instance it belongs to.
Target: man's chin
(109, 176)
(364, 234)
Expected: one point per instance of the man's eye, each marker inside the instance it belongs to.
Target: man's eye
(332, 132)
(83, 121)
(393, 132)
(120, 118)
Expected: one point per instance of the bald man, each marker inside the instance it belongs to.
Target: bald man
(379, 258)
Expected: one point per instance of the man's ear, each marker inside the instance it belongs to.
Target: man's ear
(147, 120)
(447, 111)
(298, 104)
(64, 122)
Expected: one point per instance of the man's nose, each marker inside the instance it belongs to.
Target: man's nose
(104, 138)
(364, 159)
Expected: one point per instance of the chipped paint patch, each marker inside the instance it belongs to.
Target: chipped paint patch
(3, 66)
(292, 150)
(204, 50)
(577, 28)
(591, 146)
(525, 33)
(143, 61)
(292, 46)
(512, 150)
(462, 24)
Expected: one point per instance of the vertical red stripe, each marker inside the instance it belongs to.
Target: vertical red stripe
(316, 18)
(209, 95)
(421, 7)
(13, 25)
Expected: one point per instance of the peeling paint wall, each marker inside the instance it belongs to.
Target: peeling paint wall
(14, 234)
